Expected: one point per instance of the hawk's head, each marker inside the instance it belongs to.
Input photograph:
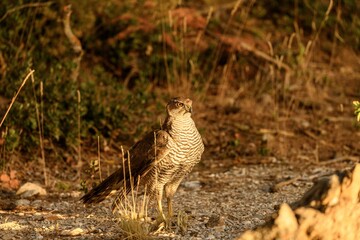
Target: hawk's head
(179, 107)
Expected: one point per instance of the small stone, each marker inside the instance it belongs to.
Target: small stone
(305, 124)
(192, 185)
(255, 181)
(38, 218)
(210, 236)
(30, 189)
(247, 224)
(73, 232)
(22, 202)
(217, 222)
(39, 236)
(75, 194)
(54, 217)
(37, 203)
(23, 222)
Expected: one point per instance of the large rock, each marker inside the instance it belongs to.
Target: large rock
(329, 210)
(31, 189)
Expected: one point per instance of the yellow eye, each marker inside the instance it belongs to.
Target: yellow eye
(179, 104)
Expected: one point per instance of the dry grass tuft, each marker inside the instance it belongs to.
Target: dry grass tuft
(132, 210)
(182, 221)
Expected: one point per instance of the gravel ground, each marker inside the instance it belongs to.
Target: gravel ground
(220, 202)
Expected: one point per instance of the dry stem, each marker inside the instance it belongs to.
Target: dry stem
(40, 128)
(75, 42)
(14, 98)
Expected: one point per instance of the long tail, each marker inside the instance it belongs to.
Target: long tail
(101, 191)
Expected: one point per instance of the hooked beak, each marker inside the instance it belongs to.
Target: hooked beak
(188, 109)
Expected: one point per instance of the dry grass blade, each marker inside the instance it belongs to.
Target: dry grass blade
(79, 164)
(14, 98)
(99, 159)
(40, 127)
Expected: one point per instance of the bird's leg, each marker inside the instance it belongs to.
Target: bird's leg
(170, 209)
(160, 222)
(159, 203)
(170, 190)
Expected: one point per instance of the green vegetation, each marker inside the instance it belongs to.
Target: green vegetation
(357, 110)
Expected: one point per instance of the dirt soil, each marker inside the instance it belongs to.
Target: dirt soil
(253, 163)
(221, 201)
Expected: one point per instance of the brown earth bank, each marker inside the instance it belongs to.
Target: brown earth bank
(329, 210)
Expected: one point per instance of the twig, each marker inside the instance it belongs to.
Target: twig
(75, 42)
(99, 158)
(310, 134)
(280, 132)
(280, 185)
(28, 5)
(17, 93)
(340, 159)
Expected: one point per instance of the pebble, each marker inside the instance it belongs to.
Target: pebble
(22, 202)
(247, 224)
(192, 185)
(210, 236)
(37, 204)
(73, 232)
(38, 218)
(39, 236)
(76, 194)
(305, 124)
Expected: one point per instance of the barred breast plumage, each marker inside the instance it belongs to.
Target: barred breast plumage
(160, 160)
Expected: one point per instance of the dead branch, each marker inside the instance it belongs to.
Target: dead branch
(340, 159)
(74, 41)
(282, 184)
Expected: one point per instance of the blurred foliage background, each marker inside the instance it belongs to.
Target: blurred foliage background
(137, 54)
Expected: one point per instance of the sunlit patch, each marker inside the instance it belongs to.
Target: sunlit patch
(13, 226)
